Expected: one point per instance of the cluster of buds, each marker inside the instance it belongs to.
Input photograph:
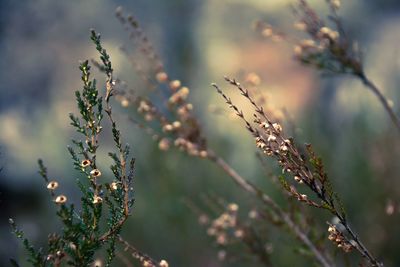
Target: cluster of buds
(147, 109)
(191, 148)
(225, 225)
(268, 31)
(179, 96)
(149, 263)
(169, 127)
(52, 186)
(273, 143)
(339, 239)
(183, 130)
(326, 49)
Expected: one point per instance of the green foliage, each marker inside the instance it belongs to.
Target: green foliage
(105, 206)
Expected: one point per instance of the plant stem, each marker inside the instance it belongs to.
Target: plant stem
(360, 246)
(137, 254)
(250, 188)
(384, 101)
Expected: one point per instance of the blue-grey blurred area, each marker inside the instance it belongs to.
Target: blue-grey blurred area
(42, 41)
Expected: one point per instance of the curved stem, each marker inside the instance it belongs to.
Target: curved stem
(250, 188)
(384, 101)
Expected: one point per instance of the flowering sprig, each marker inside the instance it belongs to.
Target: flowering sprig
(327, 48)
(305, 170)
(83, 232)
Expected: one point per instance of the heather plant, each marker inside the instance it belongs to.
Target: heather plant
(167, 115)
(175, 124)
(327, 47)
(106, 203)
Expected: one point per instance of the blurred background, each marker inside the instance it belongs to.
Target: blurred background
(41, 43)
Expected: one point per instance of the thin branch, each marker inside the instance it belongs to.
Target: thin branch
(250, 188)
(137, 254)
(384, 101)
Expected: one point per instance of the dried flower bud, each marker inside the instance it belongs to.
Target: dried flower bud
(301, 26)
(97, 200)
(85, 163)
(307, 43)
(277, 127)
(124, 102)
(95, 173)
(267, 32)
(271, 138)
(253, 79)
(114, 186)
(335, 3)
(239, 233)
(233, 207)
(176, 124)
(168, 128)
(52, 185)
(298, 179)
(61, 199)
(253, 214)
(164, 144)
(203, 154)
(325, 30)
(163, 263)
(221, 255)
(175, 84)
(298, 50)
(162, 77)
(98, 263)
(221, 239)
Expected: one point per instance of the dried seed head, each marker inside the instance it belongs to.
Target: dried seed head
(85, 163)
(95, 173)
(52, 185)
(162, 77)
(61, 199)
(163, 263)
(97, 200)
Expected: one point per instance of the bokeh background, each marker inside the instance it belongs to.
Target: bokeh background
(199, 41)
